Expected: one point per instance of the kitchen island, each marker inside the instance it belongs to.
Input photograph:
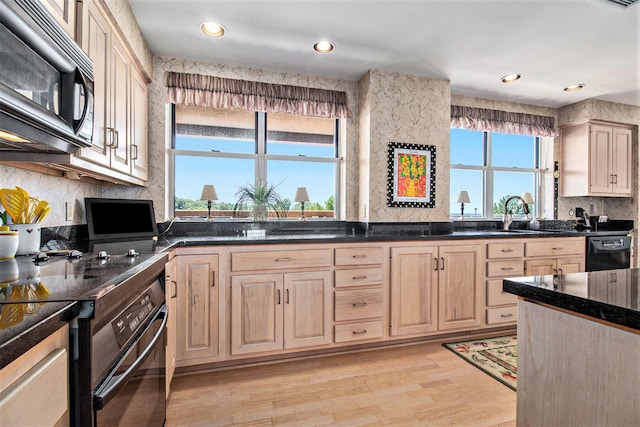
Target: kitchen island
(578, 348)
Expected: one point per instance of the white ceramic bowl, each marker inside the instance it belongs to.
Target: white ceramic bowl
(8, 244)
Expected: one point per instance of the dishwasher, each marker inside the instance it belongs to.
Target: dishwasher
(608, 252)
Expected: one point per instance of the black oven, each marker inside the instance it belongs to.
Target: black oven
(119, 346)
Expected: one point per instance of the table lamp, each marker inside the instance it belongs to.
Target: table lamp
(463, 197)
(209, 194)
(301, 196)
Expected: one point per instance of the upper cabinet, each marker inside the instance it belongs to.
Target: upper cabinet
(120, 90)
(64, 12)
(596, 160)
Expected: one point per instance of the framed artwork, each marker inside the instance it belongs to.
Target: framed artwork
(411, 175)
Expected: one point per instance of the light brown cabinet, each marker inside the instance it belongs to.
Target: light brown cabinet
(596, 160)
(505, 258)
(64, 12)
(276, 311)
(435, 288)
(34, 388)
(198, 305)
(554, 256)
(171, 293)
(359, 297)
(120, 143)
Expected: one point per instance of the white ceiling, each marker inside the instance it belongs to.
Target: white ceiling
(472, 43)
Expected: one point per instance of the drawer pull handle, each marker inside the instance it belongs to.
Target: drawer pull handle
(507, 250)
(362, 277)
(360, 332)
(507, 268)
(359, 256)
(506, 316)
(359, 304)
(278, 296)
(435, 264)
(557, 249)
(284, 259)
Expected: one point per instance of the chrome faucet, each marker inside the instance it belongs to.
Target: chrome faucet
(507, 218)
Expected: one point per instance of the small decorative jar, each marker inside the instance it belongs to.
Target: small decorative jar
(29, 234)
(8, 242)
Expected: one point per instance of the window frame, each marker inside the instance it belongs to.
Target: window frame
(487, 169)
(260, 157)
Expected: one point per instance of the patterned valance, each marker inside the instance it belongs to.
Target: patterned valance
(502, 121)
(217, 92)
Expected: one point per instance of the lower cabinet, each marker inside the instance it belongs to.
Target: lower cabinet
(171, 294)
(271, 312)
(198, 305)
(34, 389)
(435, 288)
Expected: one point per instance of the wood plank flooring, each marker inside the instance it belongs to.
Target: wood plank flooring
(418, 384)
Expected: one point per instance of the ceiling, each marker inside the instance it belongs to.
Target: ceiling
(471, 43)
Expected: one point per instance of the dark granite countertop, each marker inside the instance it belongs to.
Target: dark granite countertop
(610, 295)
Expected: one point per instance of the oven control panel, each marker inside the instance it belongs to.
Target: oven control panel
(133, 317)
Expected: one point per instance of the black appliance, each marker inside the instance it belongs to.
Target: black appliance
(608, 252)
(116, 219)
(46, 84)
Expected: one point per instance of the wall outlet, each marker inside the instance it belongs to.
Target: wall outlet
(68, 211)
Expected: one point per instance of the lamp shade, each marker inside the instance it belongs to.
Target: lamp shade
(301, 195)
(528, 199)
(209, 193)
(463, 197)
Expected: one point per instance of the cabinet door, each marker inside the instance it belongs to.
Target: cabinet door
(171, 289)
(570, 265)
(621, 161)
(198, 305)
(63, 11)
(257, 302)
(119, 107)
(460, 287)
(96, 43)
(307, 309)
(139, 152)
(414, 287)
(540, 267)
(600, 174)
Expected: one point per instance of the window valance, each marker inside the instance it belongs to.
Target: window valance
(501, 121)
(217, 92)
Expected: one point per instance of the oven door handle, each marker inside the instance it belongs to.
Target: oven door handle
(114, 383)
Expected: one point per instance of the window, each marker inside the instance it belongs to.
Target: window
(233, 148)
(492, 167)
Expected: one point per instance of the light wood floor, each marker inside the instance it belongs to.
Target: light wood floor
(419, 384)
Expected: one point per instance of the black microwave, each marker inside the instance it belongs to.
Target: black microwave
(46, 83)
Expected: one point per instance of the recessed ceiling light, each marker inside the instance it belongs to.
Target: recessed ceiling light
(510, 78)
(573, 88)
(213, 29)
(323, 46)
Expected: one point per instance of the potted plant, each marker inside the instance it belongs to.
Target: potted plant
(260, 198)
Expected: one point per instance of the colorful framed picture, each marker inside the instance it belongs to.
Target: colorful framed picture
(411, 175)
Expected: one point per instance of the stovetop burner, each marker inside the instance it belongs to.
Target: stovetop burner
(70, 275)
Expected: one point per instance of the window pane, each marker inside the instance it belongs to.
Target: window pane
(507, 184)
(208, 129)
(512, 150)
(298, 135)
(226, 175)
(471, 181)
(467, 147)
(317, 177)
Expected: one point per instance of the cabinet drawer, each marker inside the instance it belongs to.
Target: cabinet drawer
(358, 277)
(502, 315)
(276, 260)
(357, 256)
(358, 331)
(505, 250)
(552, 247)
(513, 268)
(358, 304)
(496, 296)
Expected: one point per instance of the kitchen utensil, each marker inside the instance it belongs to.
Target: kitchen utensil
(13, 202)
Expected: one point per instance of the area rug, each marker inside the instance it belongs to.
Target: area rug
(495, 356)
